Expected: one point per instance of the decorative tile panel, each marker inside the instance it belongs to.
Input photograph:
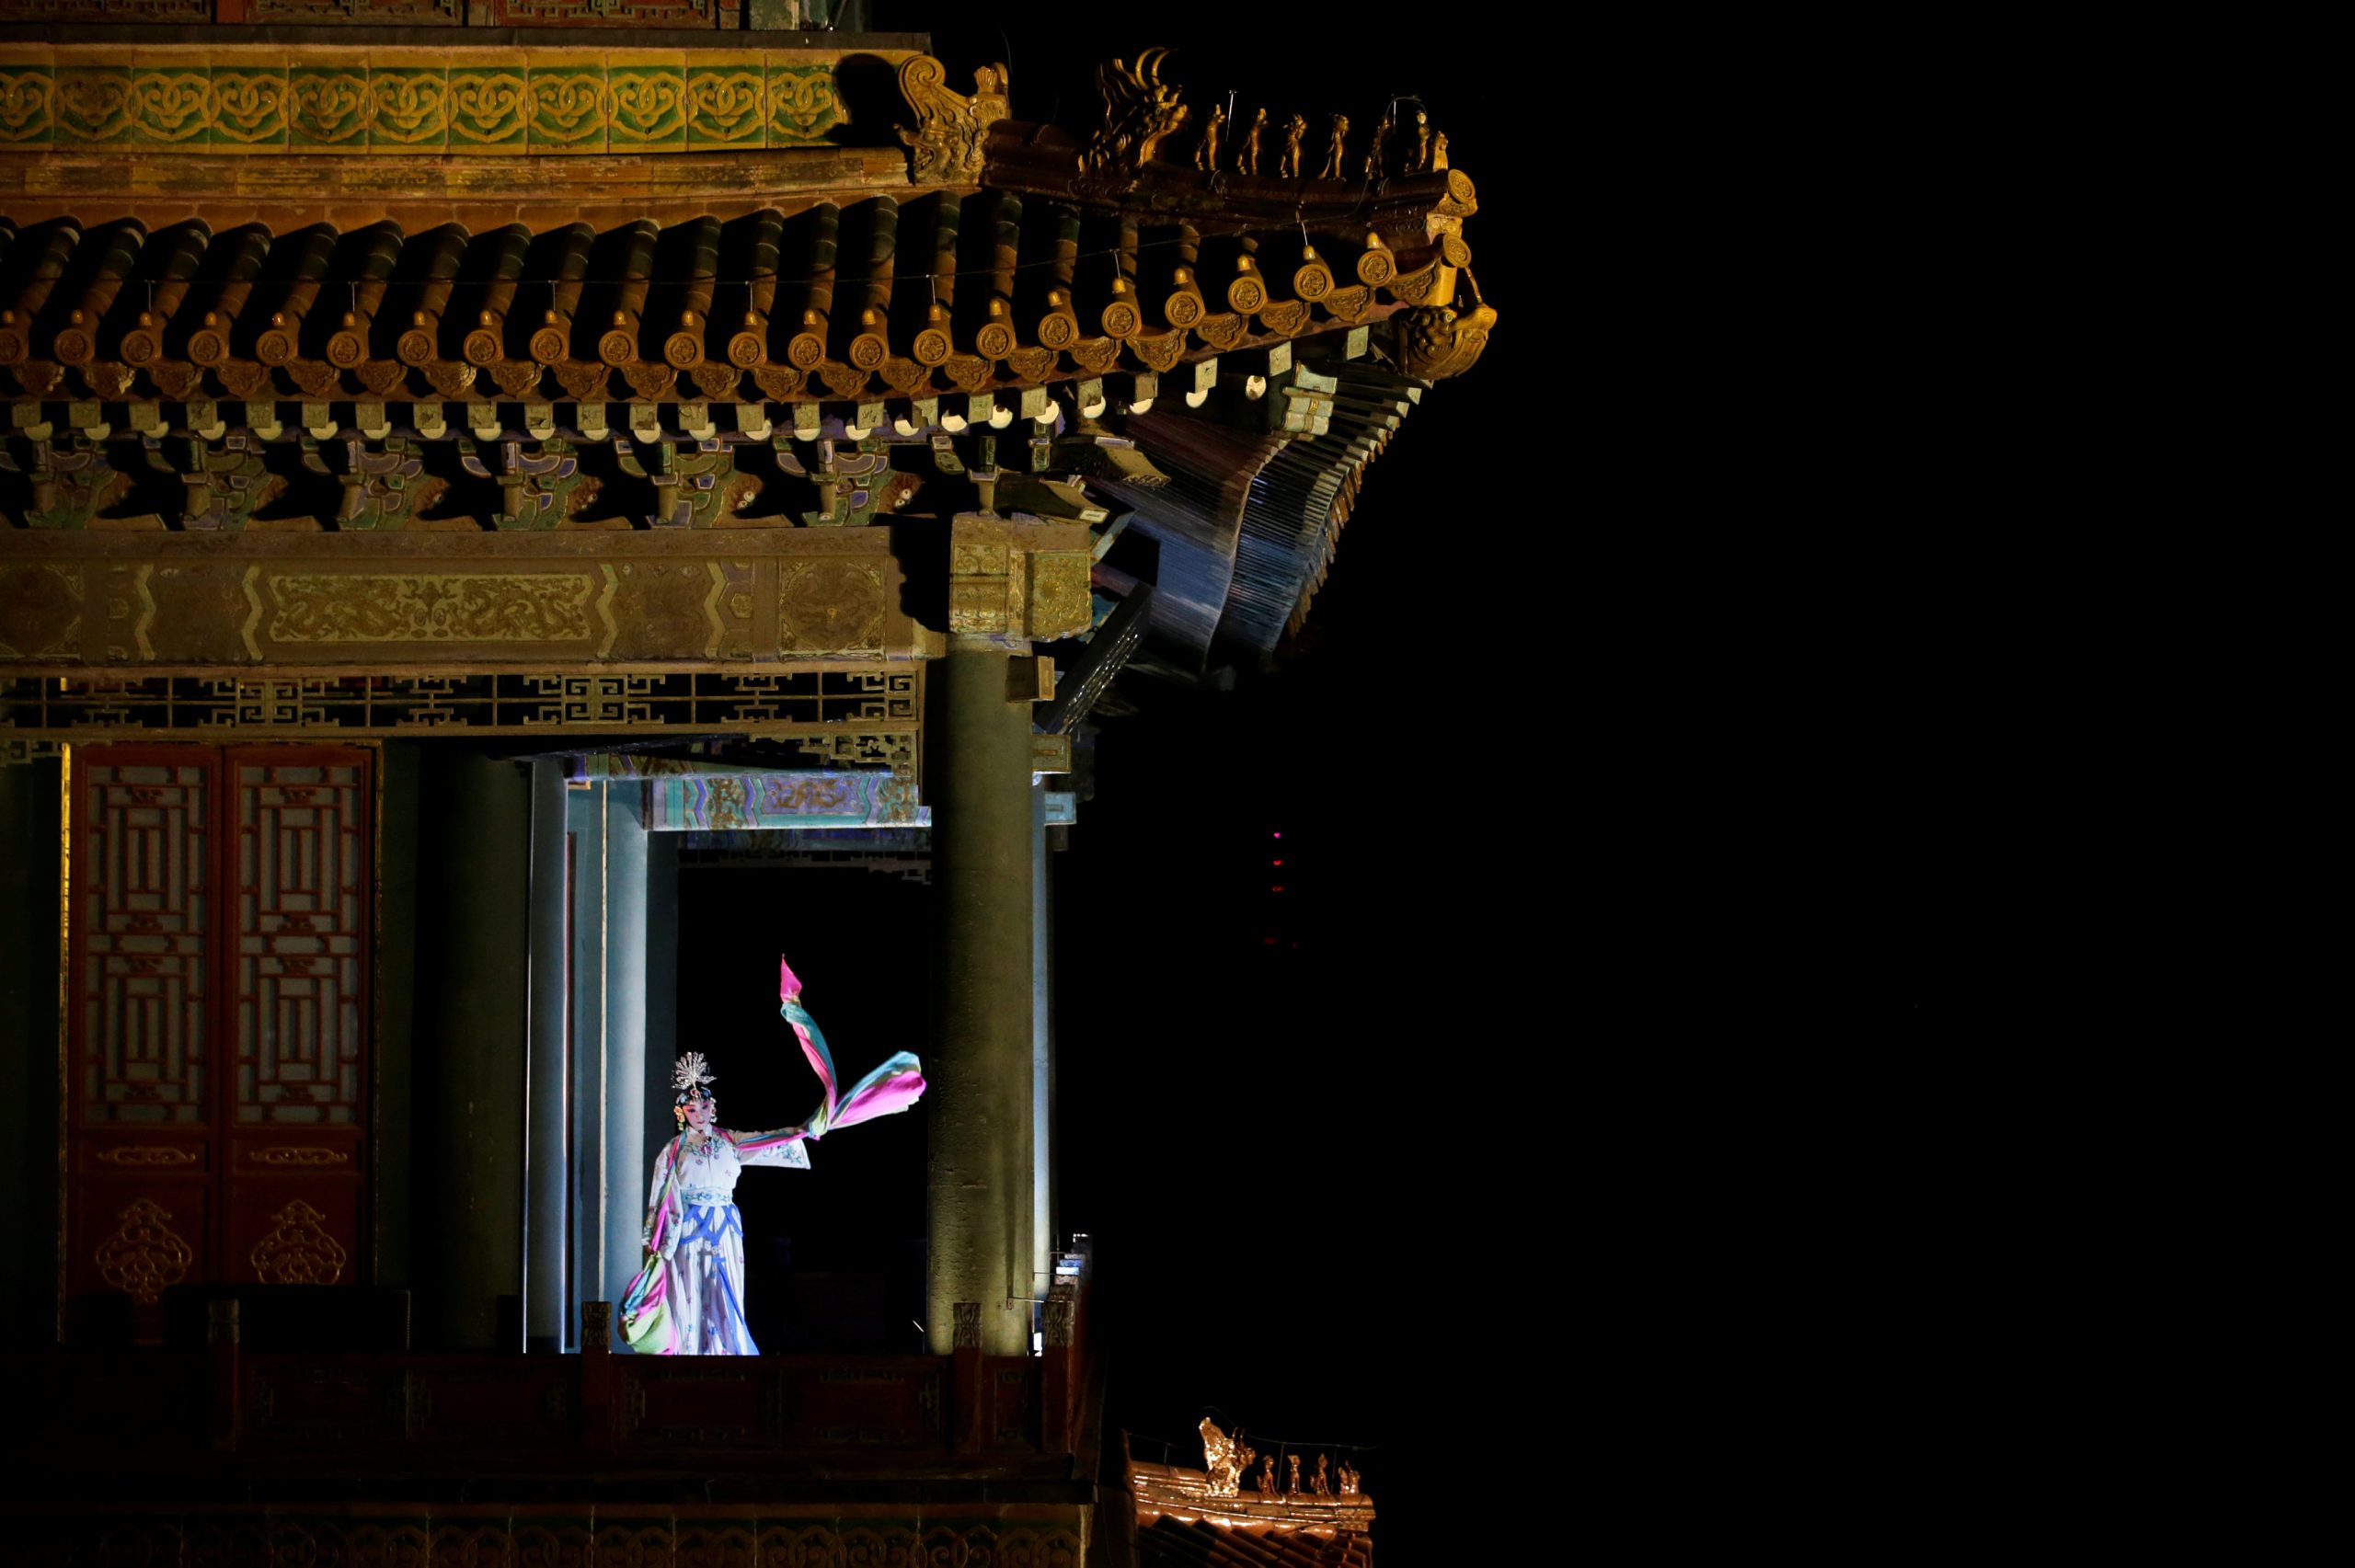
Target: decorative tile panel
(327, 107)
(804, 104)
(93, 102)
(299, 941)
(110, 10)
(27, 86)
(602, 13)
(490, 108)
(408, 103)
(646, 96)
(725, 105)
(464, 102)
(567, 107)
(247, 105)
(167, 99)
(404, 13)
(141, 941)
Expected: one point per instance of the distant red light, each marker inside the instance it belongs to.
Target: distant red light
(1275, 890)
(1271, 941)
(1275, 862)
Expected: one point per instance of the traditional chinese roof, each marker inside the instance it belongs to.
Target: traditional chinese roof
(940, 293)
(1183, 1516)
(477, 219)
(352, 278)
(1170, 1542)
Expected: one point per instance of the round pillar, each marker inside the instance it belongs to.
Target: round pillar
(979, 1072)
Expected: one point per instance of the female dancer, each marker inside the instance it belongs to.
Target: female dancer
(689, 1299)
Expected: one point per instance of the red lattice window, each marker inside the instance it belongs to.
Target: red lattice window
(219, 955)
(145, 830)
(301, 854)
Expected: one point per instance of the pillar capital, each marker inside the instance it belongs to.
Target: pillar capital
(1011, 578)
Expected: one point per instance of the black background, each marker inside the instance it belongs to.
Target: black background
(1309, 1130)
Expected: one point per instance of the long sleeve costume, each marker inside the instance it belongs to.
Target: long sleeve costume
(689, 1299)
(693, 1224)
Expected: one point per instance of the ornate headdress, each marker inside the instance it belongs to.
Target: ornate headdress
(691, 1077)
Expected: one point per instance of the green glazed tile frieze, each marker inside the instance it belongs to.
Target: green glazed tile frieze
(489, 110)
(168, 106)
(726, 103)
(803, 104)
(459, 102)
(408, 106)
(93, 104)
(568, 105)
(326, 110)
(247, 108)
(26, 95)
(646, 99)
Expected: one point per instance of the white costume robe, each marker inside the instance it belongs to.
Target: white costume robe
(693, 1224)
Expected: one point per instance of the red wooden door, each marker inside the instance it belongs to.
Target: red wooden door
(218, 955)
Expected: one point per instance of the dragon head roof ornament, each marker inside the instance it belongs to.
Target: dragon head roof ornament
(1139, 113)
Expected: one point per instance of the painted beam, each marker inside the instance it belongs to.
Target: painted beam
(783, 800)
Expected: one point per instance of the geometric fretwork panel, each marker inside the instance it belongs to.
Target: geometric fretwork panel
(143, 860)
(300, 877)
(602, 13)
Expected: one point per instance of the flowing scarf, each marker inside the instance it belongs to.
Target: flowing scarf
(890, 1088)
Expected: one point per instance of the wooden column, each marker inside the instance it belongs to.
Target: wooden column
(31, 819)
(1038, 1235)
(546, 1147)
(629, 1157)
(473, 1014)
(978, 774)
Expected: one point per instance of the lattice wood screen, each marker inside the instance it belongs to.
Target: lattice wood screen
(218, 954)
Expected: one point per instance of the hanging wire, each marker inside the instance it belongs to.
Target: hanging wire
(1281, 1442)
(586, 281)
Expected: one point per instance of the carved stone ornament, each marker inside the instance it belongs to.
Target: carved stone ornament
(298, 1251)
(1224, 1458)
(1029, 363)
(108, 381)
(1159, 351)
(40, 377)
(291, 1156)
(1437, 341)
(842, 380)
(1287, 316)
(176, 381)
(517, 378)
(246, 379)
(778, 382)
(583, 383)
(948, 144)
(148, 1154)
(1224, 330)
(387, 607)
(143, 1254)
(1139, 113)
(316, 379)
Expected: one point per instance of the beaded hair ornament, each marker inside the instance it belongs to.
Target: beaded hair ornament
(693, 1080)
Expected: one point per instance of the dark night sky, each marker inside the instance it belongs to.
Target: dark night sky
(1300, 1160)
(1644, 799)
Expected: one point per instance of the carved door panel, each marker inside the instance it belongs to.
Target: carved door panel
(294, 859)
(217, 1009)
(141, 958)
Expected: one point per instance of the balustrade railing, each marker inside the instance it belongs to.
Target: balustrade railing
(492, 1412)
